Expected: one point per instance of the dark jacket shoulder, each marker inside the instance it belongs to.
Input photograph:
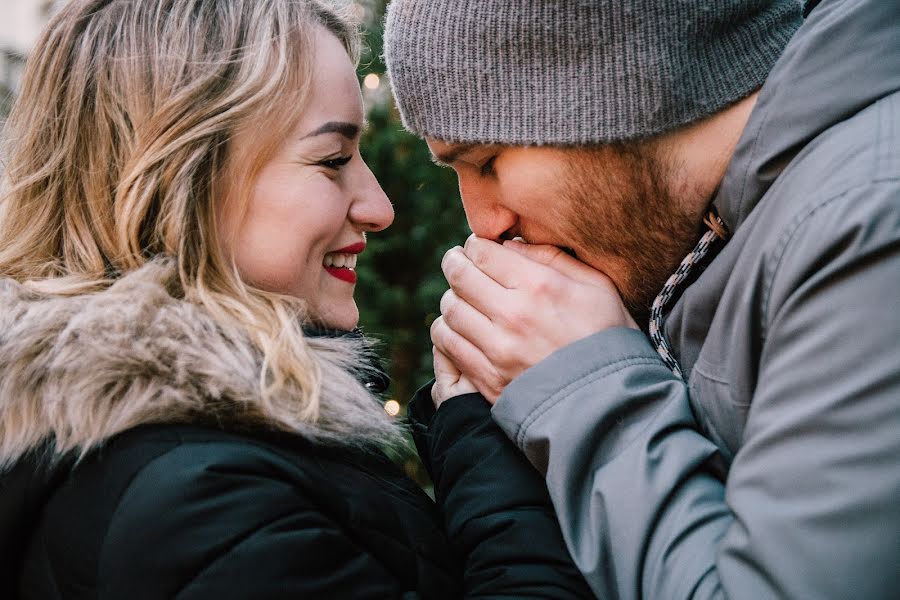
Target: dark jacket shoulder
(166, 511)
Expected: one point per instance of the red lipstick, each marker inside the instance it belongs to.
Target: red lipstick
(342, 273)
(346, 274)
(356, 248)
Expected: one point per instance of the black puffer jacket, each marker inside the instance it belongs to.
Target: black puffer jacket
(221, 506)
(190, 512)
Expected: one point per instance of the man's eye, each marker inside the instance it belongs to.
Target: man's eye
(336, 163)
(487, 169)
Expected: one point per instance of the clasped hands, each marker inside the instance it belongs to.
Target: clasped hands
(509, 306)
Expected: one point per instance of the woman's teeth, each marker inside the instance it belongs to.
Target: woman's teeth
(341, 261)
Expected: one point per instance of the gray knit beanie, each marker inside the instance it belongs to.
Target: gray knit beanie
(567, 72)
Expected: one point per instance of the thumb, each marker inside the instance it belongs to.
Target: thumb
(559, 261)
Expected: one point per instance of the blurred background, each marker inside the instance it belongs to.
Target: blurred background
(400, 281)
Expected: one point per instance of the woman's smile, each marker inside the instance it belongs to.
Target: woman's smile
(342, 263)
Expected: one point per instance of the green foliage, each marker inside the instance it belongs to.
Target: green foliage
(400, 279)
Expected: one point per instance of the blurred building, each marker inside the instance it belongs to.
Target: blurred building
(20, 24)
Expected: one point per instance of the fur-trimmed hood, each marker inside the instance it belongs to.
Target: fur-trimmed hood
(81, 369)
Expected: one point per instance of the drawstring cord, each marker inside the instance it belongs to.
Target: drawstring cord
(717, 230)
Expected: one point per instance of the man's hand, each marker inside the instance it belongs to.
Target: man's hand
(510, 306)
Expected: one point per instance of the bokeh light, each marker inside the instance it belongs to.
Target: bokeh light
(392, 407)
(372, 81)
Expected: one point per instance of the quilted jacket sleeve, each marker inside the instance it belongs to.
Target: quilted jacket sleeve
(498, 514)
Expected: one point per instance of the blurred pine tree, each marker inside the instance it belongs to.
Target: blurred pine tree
(400, 279)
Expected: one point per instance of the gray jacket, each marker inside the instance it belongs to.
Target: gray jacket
(774, 471)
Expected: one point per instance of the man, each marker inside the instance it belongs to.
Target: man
(728, 177)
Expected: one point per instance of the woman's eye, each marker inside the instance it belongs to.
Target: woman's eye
(487, 168)
(336, 163)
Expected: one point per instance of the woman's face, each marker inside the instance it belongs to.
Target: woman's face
(314, 200)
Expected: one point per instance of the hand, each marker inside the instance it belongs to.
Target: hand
(510, 306)
(448, 381)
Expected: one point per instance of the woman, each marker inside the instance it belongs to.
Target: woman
(184, 208)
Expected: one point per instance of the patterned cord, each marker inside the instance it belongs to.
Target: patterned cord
(717, 229)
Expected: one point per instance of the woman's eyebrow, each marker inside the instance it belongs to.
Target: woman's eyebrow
(349, 130)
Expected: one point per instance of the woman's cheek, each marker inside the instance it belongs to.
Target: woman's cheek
(270, 254)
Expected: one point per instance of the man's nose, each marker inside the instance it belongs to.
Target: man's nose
(486, 212)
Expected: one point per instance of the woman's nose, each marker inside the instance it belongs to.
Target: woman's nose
(371, 209)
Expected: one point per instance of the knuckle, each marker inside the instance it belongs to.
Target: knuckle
(476, 252)
(546, 285)
(453, 348)
(451, 264)
(516, 316)
(555, 255)
(495, 387)
(452, 316)
(436, 331)
(504, 351)
(448, 301)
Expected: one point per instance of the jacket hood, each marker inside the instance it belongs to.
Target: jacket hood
(78, 370)
(851, 46)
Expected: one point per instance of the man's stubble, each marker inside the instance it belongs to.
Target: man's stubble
(625, 220)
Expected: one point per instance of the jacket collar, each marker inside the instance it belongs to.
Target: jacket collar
(841, 60)
(81, 369)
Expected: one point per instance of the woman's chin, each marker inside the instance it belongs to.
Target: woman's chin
(344, 318)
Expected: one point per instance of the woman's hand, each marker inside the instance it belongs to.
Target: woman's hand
(448, 380)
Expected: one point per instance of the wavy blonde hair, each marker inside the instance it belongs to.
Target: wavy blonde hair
(119, 139)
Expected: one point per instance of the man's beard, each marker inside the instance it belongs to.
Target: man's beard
(625, 221)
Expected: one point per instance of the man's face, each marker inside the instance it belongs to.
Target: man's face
(610, 205)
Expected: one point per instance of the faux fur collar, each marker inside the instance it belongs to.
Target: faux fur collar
(81, 369)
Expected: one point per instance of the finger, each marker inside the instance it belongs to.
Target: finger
(556, 259)
(449, 382)
(473, 285)
(503, 265)
(466, 357)
(444, 369)
(442, 381)
(463, 353)
(466, 320)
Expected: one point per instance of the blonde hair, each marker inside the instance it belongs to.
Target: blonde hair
(119, 138)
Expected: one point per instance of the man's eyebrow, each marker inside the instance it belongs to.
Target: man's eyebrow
(348, 130)
(451, 155)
